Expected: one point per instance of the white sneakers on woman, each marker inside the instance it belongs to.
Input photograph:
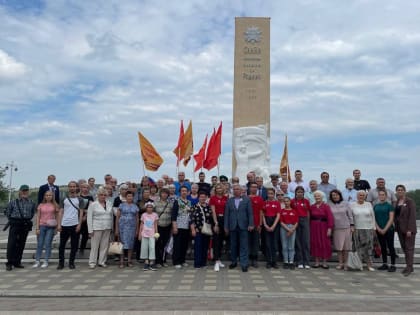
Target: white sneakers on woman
(37, 264)
(218, 265)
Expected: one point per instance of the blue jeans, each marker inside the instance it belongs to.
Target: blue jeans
(288, 244)
(241, 237)
(45, 238)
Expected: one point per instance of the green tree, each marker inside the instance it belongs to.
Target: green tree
(415, 195)
(3, 190)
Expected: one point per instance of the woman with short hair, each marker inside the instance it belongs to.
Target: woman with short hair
(322, 223)
(364, 227)
(127, 227)
(99, 222)
(163, 209)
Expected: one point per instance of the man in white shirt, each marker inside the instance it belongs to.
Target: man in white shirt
(298, 182)
(71, 213)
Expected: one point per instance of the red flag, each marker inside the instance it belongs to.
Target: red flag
(177, 150)
(214, 149)
(200, 156)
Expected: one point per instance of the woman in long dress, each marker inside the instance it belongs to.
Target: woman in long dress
(127, 227)
(322, 222)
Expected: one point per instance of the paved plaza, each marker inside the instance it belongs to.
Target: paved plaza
(203, 289)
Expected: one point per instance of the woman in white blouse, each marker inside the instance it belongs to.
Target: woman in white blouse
(364, 225)
(99, 221)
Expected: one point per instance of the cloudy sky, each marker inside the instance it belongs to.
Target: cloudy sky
(78, 79)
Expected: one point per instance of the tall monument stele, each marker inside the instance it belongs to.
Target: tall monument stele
(251, 98)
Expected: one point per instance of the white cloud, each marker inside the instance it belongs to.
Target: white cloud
(85, 79)
(9, 67)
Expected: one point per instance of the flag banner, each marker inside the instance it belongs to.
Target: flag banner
(200, 156)
(152, 159)
(187, 147)
(214, 149)
(177, 150)
(284, 164)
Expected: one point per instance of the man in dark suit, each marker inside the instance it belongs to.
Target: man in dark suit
(261, 190)
(49, 186)
(238, 221)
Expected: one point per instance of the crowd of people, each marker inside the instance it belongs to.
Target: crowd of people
(283, 221)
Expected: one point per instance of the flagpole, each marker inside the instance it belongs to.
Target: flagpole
(193, 167)
(287, 169)
(218, 166)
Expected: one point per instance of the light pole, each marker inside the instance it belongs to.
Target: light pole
(13, 168)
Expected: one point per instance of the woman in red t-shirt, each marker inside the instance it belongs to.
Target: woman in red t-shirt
(289, 219)
(271, 219)
(302, 206)
(217, 204)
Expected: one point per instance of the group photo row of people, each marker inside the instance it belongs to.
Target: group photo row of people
(294, 222)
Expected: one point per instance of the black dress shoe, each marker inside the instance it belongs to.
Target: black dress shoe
(268, 265)
(59, 267)
(275, 266)
(9, 267)
(244, 269)
(233, 265)
(20, 266)
(72, 266)
(392, 268)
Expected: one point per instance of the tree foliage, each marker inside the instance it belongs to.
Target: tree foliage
(415, 195)
(3, 190)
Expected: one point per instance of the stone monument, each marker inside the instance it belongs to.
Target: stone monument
(251, 98)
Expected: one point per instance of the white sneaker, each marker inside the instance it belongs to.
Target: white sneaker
(185, 265)
(307, 267)
(216, 266)
(44, 264)
(221, 265)
(300, 267)
(92, 266)
(370, 268)
(36, 264)
(178, 266)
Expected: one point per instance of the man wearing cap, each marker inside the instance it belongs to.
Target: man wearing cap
(275, 182)
(20, 213)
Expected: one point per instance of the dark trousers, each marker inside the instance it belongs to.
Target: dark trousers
(254, 244)
(239, 239)
(181, 240)
(201, 247)
(271, 240)
(137, 248)
(66, 233)
(85, 235)
(387, 242)
(165, 234)
(16, 243)
(302, 241)
(218, 239)
(407, 245)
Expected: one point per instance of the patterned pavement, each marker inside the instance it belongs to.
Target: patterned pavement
(203, 289)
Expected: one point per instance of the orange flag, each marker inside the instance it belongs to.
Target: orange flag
(214, 149)
(177, 150)
(200, 155)
(284, 164)
(187, 148)
(152, 159)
